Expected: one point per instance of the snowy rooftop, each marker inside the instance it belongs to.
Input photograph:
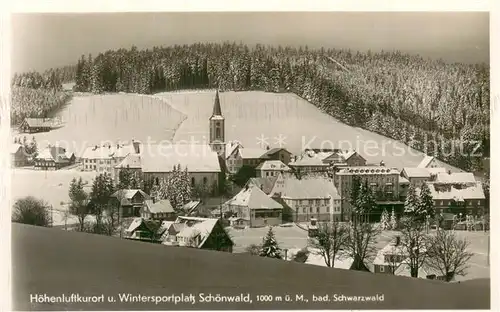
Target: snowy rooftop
(425, 162)
(203, 228)
(311, 158)
(132, 161)
(458, 192)
(309, 188)
(417, 172)
(389, 249)
(108, 151)
(231, 146)
(369, 170)
(266, 184)
(163, 158)
(456, 177)
(273, 165)
(57, 154)
(128, 193)
(134, 225)
(252, 153)
(341, 262)
(161, 206)
(254, 198)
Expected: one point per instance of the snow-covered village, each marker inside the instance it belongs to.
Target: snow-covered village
(268, 152)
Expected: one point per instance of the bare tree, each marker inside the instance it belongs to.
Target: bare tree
(448, 254)
(413, 241)
(360, 244)
(329, 241)
(30, 210)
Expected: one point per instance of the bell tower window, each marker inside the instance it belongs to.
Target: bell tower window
(217, 131)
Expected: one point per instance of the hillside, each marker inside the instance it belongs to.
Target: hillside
(53, 262)
(250, 115)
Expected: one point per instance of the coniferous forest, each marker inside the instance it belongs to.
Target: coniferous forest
(405, 97)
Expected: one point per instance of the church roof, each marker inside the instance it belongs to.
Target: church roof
(217, 110)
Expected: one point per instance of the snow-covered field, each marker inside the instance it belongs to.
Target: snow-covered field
(90, 120)
(252, 115)
(51, 186)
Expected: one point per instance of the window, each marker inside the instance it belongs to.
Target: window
(317, 209)
(327, 202)
(442, 203)
(304, 210)
(478, 202)
(381, 268)
(192, 181)
(318, 202)
(310, 209)
(205, 180)
(327, 209)
(311, 201)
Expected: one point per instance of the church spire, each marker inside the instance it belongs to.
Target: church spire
(217, 111)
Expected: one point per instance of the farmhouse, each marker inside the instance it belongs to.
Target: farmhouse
(253, 206)
(53, 158)
(33, 125)
(157, 210)
(143, 230)
(307, 198)
(130, 201)
(201, 233)
(18, 155)
(271, 168)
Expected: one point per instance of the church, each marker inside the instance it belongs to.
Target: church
(204, 162)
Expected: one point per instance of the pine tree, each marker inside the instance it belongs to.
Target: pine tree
(124, 179)
(426, 202)
(411, 203)
(384, 220)
(393, 222)
(365, 202)
(270, 248)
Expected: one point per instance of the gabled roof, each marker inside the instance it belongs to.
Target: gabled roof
(455, 177)
(14, 147)
(54, 153)
(458, 192)
(108, 151)
(277, 165)
(425, 162)
(275, 150)
(310, 159)
(231, 147)
(309, 188)
(165, 225)
(163, 158)
(132, 161)
(389, 249)
(161, 206)
(266, 184)
(135, 224)
(417, 172)
(254, 198)
(38, 122)
(403, 180)
(203, 229)
(252, 153)
(128, 194)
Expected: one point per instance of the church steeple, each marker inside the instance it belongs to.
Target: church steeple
(217, 111)
(217, 128)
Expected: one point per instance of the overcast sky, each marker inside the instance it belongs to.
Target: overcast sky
(42, 41)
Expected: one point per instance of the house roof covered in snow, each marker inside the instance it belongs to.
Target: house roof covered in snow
(161, 206)
(389, 249)
(425, 162)
(232, 146)
(275, 150)
(309, 188)
(108, 151)
(458, 192)
(54, 153)
(39, 122)
(434, 171)
(134, 225)
(14, 147)
(254, 198)
(252, 153)
(411, 172)
(128, 194)
(367, 170)
(132, 161)
(403, 180)
(163, 158)
(455, 177)
(277, 165)
(164, 226)
(266, 184)
(311, 158)
(202, 228)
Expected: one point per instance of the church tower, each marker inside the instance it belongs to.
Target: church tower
(217, 129)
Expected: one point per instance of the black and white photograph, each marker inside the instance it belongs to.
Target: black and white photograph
(249, 160)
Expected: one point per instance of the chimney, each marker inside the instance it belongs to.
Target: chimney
(268, 148)
(449, 171)
(136, 146)
(382, 164)
(246, 187)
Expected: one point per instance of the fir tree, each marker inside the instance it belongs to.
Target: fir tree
(270, 248)
(384, 220)
(426, 202)
(411, 203)
(102, 188)
(393, 222)
(365, 201)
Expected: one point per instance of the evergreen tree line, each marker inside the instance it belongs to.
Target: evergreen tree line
(37, 94)
(407, 98)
